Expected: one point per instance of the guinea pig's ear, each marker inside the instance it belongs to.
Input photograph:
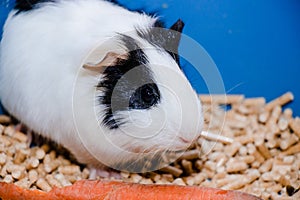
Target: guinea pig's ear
(174, 37)
(110, 59)
(178, 26)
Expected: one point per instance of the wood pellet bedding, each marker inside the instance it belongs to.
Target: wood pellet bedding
(255, 149)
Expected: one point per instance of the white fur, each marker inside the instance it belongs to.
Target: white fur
(43, 84)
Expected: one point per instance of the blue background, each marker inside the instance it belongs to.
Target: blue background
(254, 43)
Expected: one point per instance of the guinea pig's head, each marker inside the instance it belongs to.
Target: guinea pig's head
(144, 102)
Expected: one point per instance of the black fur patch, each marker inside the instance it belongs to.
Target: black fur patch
(167, 39)
(26, 5)
(124, 84)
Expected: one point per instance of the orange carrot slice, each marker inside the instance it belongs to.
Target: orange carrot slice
(98, 190)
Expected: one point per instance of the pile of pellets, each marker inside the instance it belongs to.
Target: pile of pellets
(35, 168)
(247, 145)
(255, 149)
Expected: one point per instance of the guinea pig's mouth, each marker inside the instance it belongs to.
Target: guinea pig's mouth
(179, 145)
(185, 140)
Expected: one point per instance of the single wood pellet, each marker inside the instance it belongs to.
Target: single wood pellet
(253, 147)
(4, 119)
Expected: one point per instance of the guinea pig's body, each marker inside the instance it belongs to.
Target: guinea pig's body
(64, 63)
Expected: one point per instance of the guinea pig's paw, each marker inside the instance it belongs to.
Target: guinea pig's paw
(104, 172)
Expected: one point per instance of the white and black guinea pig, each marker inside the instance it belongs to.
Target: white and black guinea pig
(103, 81)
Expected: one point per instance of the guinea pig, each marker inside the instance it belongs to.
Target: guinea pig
(103, 81)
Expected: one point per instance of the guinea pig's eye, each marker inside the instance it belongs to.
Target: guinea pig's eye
(144, 97)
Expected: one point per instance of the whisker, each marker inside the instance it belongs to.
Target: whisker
(234, 87)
